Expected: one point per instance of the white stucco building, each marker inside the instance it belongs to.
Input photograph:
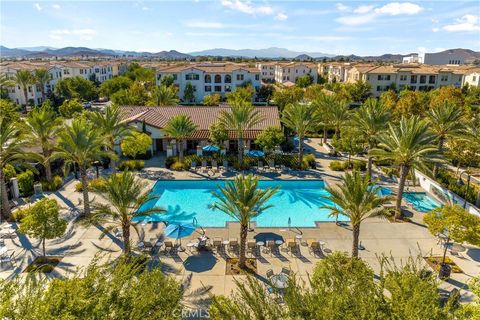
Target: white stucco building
(290, 71)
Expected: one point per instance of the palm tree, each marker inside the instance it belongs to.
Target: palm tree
(180, 128)
(163, 96)
(339, 113)
(11, 143)
(24, 79)
(409, 144)
(323, 104)
(5, 82)
(125, 195)
(43, 126)
(80, 144)
(370, 120)
(445, 122)
(301, 118)
(112, 128)
(242, 200)
(242, 116)
(357, 199)
(42, 77)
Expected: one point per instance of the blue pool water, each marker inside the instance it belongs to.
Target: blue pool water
(421, 201)
(383, 191)
(185, 200)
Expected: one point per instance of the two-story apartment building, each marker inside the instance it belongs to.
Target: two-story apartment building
(290, 71)
(211, 78)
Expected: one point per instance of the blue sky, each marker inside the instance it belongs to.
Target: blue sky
(337, 27)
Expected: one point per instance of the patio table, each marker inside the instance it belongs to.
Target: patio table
(279, 281)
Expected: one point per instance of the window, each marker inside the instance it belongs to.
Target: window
(208, 79)
(413, 79)
(474, 78)
(403, 77)
(296, 70)
(228, 88)
(218, 78)
(228, 78)
(444, 77)
(218, 88)
(431, 79)
(159, 76)
(97, 70)
(208, 88)
(29, 89)
(382, 77)
(257, 77)
(192, 76)
(423, 79)
(81, 71)
(239, 77)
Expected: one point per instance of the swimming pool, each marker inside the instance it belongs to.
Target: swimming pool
(185, 200)
(421, 201)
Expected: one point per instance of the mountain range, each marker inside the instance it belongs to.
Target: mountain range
(269, 53)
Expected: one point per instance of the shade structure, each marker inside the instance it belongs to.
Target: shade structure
(178, 231)
(211, 148)
(255, 153)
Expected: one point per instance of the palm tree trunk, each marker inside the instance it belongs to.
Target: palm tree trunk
(441, 142)
(48, 168)
(25, 94)
(300, 151)
(325, 134)
(6, 211)
(86, 201)
(243, 240)
(337, 132)
(180, 151)
(240, 152)
(356, 236)
(401, 185)
(126, 237)
(369, 167)
(43, 246)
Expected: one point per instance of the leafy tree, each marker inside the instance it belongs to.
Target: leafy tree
(125, 195)
(80, 143)
(287, 96)
(270, 137)
(266, 92)
(218, 134)
(460, 225)
(42, 77)
(189, 93)
(24, 79)
(76, 88)
(136, 144)
(180, 128)
(167, 80)
(212, 99)
(351, 141)
(136, 95)
(314, 92)
(358, 91)
(369, 121)
(356, 198)
(389, 99)
(446, 94)
(43, 221)
(70, 108)
(304, 81)
(9, 111)
(242, 200)
(409, 145)
(110, 86)
(242, 116)
(300, 118)
(115, 291)
(411, 103)
(163, 96)
(42, 127)
(241, 95)
(112, 127)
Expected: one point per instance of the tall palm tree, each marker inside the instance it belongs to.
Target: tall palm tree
(42, 127)
(112, 128)
(339, 114)
(357, 199)
(42, 77)
(410, 144)
(163, 96)
(370, 120)
(125, 195)
(6, 82)
(242, 200)
(81, 144)
(24, 79)
(323, 104)
(242, 116)
(180, 128)
(301, 118)
(445, 122)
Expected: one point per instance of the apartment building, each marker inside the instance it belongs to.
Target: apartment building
(267, 70)
(444, 57)
(210, 78)
(335, 71)
(286, 73)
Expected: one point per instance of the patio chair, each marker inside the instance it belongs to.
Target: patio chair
(251, 247)
(217, 244)
(8, 259)
(291, 246)
(204, 166)
(313, 246)
(233, 245)
(286, 271)
(147, 247)
(215, 166)
(193, 166)
(270, 244)
(168, 247)
(269, 273)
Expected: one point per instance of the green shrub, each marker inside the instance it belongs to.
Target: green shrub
(171, 160)
(337, 166)
(78, 187)
(359, 165)
(309, 161)
(177, 166)
(9, 172)
(131, 165)
(19, 214)
(25, 183)
(95, 185)
(54, 185)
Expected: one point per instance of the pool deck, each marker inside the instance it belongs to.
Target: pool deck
(206, 269)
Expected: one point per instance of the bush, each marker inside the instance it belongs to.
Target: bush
(177, 166)
(54, 185)
(9, 172)
(137, 145)
(171, 160)
(359, 165)
(337, 166)
(69, 108)
(95, 185)
(309, 161)
(25, 183)
(131, 165)
(19, 214)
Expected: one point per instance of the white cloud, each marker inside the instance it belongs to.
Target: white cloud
(281, 17)
(467, 23)
(356, 20)
(342, 7)
(145, 8)
(38, 6)
(363, 9)
(435, 29)
(204, 24)
(247, 7)
(82, 34)
(56, 6)
(396, 8)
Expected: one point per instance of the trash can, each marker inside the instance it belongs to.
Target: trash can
(445, 271)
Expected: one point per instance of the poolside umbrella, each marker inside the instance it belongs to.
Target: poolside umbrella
(211, 148)
(255, 153)
(179, 231)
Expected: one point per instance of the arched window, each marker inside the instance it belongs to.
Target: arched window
(218, 78)
(228, 78)
(208, 78)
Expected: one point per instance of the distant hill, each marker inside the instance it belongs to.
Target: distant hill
(270, 53)
(303, 57)
(6, 52)
(468, 55)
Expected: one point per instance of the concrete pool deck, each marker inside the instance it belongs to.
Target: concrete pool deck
(379, 236)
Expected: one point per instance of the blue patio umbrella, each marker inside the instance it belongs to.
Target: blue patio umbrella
(211, 148)
(179, 231)
(255, 153)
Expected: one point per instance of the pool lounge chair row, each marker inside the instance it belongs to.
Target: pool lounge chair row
(215, 168)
